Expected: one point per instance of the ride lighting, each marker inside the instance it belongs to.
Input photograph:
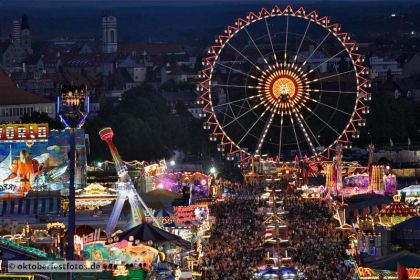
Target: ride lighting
(229, 157)
(368, 97)
(283, 88)
(366, 110)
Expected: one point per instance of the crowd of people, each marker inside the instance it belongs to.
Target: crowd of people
(235, 246)
(316, 246)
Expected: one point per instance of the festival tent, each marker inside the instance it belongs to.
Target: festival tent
(363, 204)
(273, 273)
(147, 232)
(391, 262)
(269, 273)
(165, 216)
(413, 190)
(160, 198)
(163, 193)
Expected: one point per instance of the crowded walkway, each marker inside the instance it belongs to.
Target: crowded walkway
(235, 246)
(316, 246)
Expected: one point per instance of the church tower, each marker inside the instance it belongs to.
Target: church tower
(109, 32)
(25, 35)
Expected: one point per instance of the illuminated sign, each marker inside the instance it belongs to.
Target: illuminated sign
(46, 164)
(190, 213)
(23, 132)
(91, 237)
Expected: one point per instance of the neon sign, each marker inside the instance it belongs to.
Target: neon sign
(190, 213)
(23, 132)
(91, 237)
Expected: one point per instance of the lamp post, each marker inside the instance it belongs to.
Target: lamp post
(72, 108)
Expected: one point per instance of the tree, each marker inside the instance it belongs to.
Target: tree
(37, 117)
(145, 129)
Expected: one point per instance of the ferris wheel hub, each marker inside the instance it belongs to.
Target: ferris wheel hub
(284, 88)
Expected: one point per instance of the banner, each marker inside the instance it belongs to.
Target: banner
(35, 159)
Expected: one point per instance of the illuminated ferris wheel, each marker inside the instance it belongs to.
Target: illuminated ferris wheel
(283, 83)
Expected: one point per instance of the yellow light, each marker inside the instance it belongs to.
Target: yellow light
(284, 87)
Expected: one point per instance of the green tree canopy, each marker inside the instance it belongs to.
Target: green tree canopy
(145, 129)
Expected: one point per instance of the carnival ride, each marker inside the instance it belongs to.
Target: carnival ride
(283, 83)
(125, 188)
(284, 91)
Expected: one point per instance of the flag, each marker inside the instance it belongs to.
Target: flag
(402, 272)
(409, 141)
(391, 143)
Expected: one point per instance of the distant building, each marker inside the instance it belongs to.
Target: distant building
(109, 33)
(35, 82)
(178, 74)
(16, 32)
(15, 102)
(411, 67)
(19, 47)
(321, 62)
(380, 67)
(94, 107)
(25, 35)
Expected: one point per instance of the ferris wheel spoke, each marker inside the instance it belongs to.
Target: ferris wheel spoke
(264, 133)
(317, 47)
(241, 106)
(294, 131)
(252, 126)
(238, 100)
(256, 47)
(281, 132)
(226, 115)
(332, 76)
(305, 133)
(229, 116)
(271, 40)
(329, 106)
(309, 128)
(325, 61)
(234, 86)
(244, 56)
(332, 91)
(287, 35)
(243, 114)
(322, 120)
(237, 70)
(301, 41)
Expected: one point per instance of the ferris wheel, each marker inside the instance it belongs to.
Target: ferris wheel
(283, 83)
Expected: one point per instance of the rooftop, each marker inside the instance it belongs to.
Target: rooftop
(10, 94)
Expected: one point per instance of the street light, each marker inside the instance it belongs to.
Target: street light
(72, 108)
